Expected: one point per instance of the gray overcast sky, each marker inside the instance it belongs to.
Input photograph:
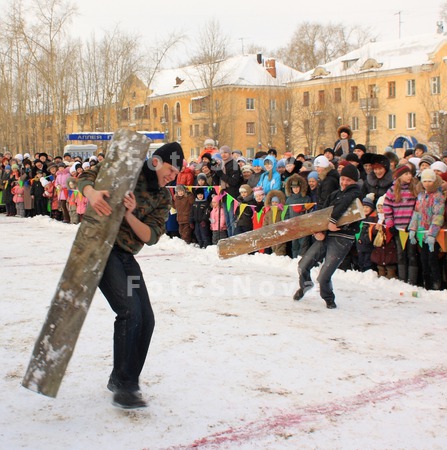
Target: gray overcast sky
(266, 23)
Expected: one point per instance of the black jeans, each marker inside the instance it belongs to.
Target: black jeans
(333, 250)
(124, 288)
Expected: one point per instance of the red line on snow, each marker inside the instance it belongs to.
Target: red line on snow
(264, 427)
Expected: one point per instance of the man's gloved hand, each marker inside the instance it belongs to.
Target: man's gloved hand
(413, 237)
(430, 241)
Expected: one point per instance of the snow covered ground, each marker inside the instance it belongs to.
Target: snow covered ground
(234, 363)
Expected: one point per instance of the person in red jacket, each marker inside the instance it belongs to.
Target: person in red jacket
(186, 175)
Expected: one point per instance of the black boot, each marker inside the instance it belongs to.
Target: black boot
(330, 304)
(128, 399)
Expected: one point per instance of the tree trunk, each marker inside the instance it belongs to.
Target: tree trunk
(85, 265)
(285, 231)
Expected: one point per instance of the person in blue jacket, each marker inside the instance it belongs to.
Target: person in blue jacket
(270, 179)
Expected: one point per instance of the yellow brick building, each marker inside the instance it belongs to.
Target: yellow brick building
(391, 94)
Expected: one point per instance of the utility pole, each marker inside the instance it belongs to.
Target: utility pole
(399, 13)
(242, 44)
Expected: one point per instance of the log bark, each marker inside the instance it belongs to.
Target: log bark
(85, 265)
(284, 231)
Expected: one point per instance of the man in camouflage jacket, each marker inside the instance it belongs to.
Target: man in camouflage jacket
(122, 282)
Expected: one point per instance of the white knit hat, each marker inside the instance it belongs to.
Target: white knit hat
(428, 175)
(439, 165)
(321, 161)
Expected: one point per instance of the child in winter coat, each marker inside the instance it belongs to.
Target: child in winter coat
(296, 192)
(364, 243)
(217, 221)
(274, 202)
(183, 201)
(199, 219)
(398, 206)
(37, 191)
(270, 179)
(384, 252)
(427, 219)
(258, 215)
(244, 212)
(71, 200)
(18, 193)
(81, 205)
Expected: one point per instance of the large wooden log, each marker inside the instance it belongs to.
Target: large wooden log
(286, 230)
(85, 265)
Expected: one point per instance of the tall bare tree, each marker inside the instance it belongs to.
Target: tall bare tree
(314, 44)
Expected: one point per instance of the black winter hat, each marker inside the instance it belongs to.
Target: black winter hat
(352, 157)
(360, 147)
(380, 160)
(171, 153)
(350, 171)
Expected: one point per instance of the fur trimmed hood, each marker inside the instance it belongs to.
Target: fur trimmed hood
(295, 178)
(275, 193)
(346, 129)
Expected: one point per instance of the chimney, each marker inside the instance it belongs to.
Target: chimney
(259, 58)
(270, 66)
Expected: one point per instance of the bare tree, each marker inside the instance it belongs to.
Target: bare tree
(209, 58)
(314, 44)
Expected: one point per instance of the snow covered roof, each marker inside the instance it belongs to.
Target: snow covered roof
(389, 55)
(241, 70)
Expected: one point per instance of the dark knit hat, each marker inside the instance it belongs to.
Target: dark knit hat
(352, 157)
(420, 146)
(360, 147)
(367, 201)
(351, 172)
(366, 158)
(400, 170)
(171, 153)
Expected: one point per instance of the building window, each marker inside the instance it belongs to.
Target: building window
(355, 124)
(196, 130)
(434, 123)
(154, 112)
(391, 121)
(250, 128)
(165, 118)
(306, 98)
(179, 133)
(372, 91)
(206, 129)
(372, 123)
(195, 153)
(435, 85)
(287, 105)
(250, 104)
(250, 152)
(321, 126)
(337, 95)
(141, 112)
(125, 114)
(411, 120)
(272, 105)
(199, 104)
(178, 115)
(273, 129)
(354, 94)
(321, 99)
(411, 87)
(391, 89)
(191, 130)
(306, 126)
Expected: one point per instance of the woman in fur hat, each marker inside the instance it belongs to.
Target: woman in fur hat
(345, 144)
(380, 179)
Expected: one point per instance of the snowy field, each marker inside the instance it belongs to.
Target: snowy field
(234, 362)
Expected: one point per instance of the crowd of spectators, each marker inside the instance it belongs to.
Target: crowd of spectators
(223, 193)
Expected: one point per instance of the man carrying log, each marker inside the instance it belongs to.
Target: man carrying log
(334, 244)
(122, 282)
